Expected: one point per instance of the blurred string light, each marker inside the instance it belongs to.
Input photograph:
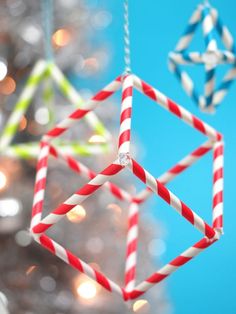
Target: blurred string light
(42, 116)
(77, 214)
(31, 33)
(86, 288)
(3, 180)
(7, 86)
(62, 37)
(9, 207)
(23, 123)
(3, 69)
(97, 139)
(141, 306)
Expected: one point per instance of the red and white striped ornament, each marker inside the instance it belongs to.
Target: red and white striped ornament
(211, 231)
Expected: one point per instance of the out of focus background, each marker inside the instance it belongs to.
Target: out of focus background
(87, 41)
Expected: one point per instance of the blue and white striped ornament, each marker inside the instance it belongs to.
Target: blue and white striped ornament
(210, 58)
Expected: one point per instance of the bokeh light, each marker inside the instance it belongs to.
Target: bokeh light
(9, 207)
(42, 116)
(141, 306)
(7, 86)
(3, 70)
(62, 37)
(77, 214)
(87, 290)
(157, 247)
(3, 180)
(47, 283)
(23, 123)
(23, 238)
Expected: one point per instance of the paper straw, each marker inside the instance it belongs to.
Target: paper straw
(125, 117)
(189, 32)
(170, 198)
(171, 267)
(40, 185)
(48, 97)
(77, 198)
(131, 247)
(78, 114)
(211, 48)
(69, 258)
(69, 92)
(218, 186)
(176, 170)
(87, 173)
(176, 109)
(223, 57)
(31, 150)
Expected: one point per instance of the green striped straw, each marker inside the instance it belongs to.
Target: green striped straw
(31, 150)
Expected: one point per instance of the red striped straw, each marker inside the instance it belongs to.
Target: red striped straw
(131, 249)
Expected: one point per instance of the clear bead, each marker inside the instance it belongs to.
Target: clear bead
(124, 159)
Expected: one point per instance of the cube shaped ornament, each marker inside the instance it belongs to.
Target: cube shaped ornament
(210, 232)
(211, 58)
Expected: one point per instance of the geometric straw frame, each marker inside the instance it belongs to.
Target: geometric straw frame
(211, 233)
(45, 70)
(213, 56)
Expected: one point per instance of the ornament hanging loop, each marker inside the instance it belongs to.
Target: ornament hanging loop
(126, 39)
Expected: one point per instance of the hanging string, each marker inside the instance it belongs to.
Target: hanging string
(126, 38)
(47, 21)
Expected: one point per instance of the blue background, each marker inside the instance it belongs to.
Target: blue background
(206, 284)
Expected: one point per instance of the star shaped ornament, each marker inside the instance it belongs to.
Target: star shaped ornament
(210, 232)
(212, 26)
(41, 73)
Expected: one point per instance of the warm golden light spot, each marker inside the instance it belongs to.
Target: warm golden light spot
(62, 37)
(87, 290)
(77, 214)
(23, 123)
(139, 304)
(7, 86)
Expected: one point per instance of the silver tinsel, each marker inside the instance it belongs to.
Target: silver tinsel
(32, 280)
